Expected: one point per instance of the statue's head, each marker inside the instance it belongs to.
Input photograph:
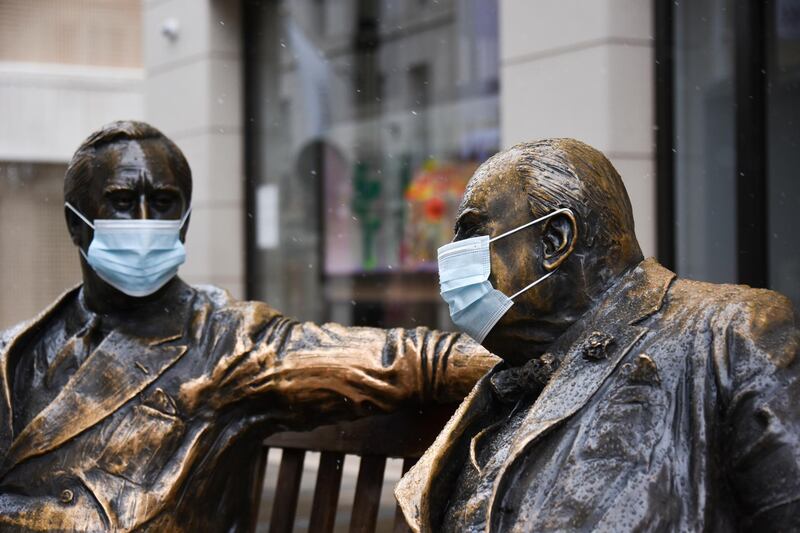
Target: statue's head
(581, 249)
(126, 170)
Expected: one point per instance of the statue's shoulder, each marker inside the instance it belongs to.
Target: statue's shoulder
(214, 295)
(7, 335)
(760, 322)
(731, 300)
(228, 307)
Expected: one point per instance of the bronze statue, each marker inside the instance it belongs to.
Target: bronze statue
(629, 399)
(138, 402)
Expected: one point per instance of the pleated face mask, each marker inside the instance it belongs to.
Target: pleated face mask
(137, 256)
(464, 268)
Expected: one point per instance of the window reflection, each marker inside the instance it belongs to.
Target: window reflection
(368, 121)
(783, 148)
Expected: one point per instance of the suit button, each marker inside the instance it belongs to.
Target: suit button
(67, 496)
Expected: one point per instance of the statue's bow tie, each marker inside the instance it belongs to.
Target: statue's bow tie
(509, 385)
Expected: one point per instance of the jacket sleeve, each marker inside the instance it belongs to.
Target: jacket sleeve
(761, 430)
(300, 374)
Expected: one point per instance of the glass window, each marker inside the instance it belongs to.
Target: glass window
(705, 156)
(783, 148)
(365, 123)
(705, 143)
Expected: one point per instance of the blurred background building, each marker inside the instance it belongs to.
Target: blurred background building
(330, 140)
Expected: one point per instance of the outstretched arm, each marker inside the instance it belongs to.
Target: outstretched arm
(304, 374)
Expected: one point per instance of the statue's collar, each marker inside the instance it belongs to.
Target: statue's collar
(155, 322)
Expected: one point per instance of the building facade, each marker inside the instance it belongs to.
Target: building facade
(330, 140)
(66, 67)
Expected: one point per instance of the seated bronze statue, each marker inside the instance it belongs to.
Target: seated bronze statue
(629, 399)
(138, 402)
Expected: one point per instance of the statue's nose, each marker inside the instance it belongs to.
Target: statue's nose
(143, 209)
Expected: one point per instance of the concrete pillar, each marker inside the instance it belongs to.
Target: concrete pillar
(193, 93)
(572, 68)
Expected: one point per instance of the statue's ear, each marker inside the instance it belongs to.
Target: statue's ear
(559, 237)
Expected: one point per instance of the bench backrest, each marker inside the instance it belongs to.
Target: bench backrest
(406, 435)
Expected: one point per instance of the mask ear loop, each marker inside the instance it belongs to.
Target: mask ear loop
(80, 215)
(185, 217)
(531, 223)
(528, 224)
(532, 285)
(86, 220)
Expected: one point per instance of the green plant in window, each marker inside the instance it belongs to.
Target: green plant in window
(366, 192)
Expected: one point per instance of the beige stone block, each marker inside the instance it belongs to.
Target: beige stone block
(198, 97)
(203, 29)
(47, 111)
(214, 244)
(640, 181)
(216, 161)
(631, 106)
(547, 27)
(191, 20)
(226, 231)
(600, 95)
(177, 100)
(225, 93)
(196, 269)
(225, 29)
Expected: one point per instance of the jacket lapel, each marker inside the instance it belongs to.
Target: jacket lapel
(418, 487)
(638, 295)
(8, 344)
(120, 368)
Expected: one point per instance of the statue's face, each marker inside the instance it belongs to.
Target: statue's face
(132, 180)
(496, 201)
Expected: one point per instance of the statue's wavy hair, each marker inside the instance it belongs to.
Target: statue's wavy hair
(568, 173)
(85, 161)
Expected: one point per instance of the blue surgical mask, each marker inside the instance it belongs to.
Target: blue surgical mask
(464, 268)
(137, 256)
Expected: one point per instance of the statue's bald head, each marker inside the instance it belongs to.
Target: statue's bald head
(556, 173)
(582, 251)
(569, 173)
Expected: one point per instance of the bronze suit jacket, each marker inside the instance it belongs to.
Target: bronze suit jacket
(688, 421)
(159, 429)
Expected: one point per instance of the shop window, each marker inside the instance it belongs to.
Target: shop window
(729, 96)
(365, 136)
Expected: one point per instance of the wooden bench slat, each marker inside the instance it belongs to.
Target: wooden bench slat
(400, 525)
(326, 492)
(287, 490)
(368, 494)
(258, 486)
